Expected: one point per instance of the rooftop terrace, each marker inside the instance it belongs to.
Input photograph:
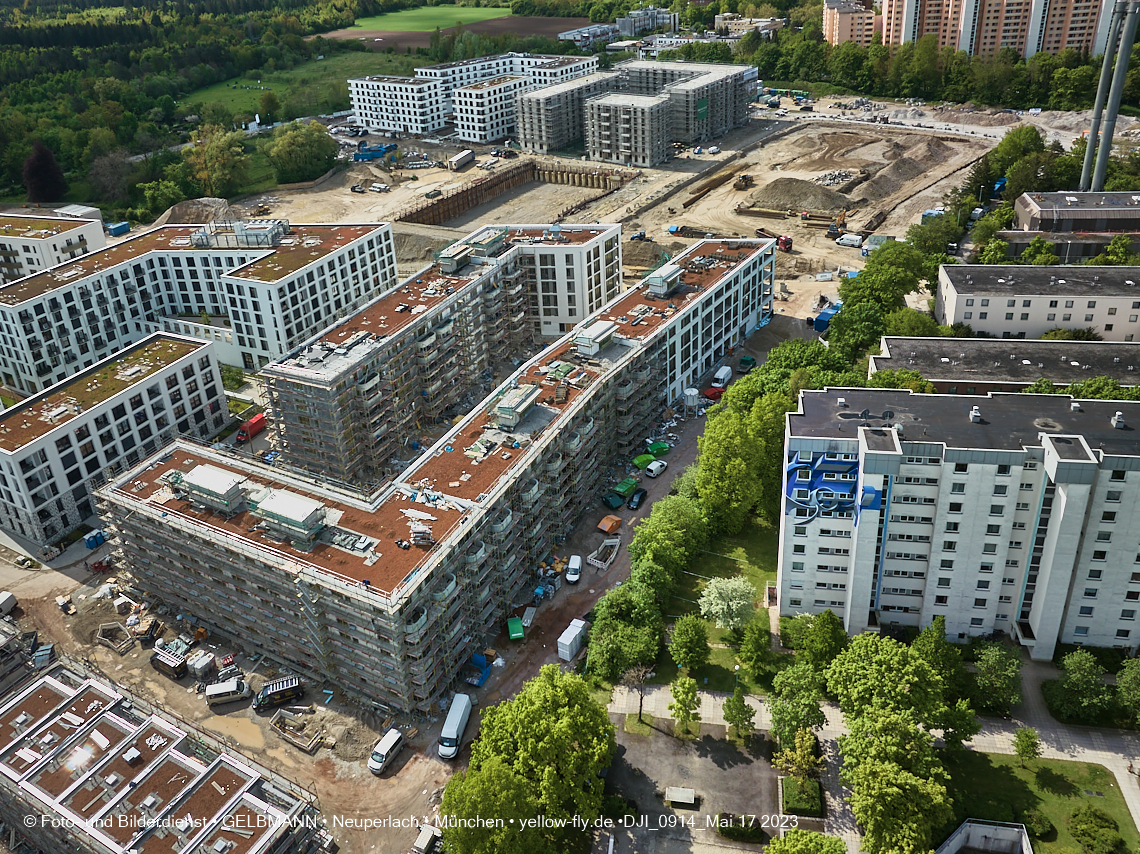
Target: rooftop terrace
(303, 245)
(491, 82)
(40, 414)
(1021, 361)
(1010, 421)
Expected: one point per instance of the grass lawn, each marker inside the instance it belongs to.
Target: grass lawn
(998, 788)
(318, 86)
(642, 727)
(427, 18)
(751, 553)
(7, 401)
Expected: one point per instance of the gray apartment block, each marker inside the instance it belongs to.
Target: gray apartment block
(628, 129)
(704, 101)
(386, 596)
(553, 118)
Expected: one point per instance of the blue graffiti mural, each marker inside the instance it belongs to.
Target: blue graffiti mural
(823, 495)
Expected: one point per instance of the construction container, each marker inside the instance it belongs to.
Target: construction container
(200, 664)
(570, 643)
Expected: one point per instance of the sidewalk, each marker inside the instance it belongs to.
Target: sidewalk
(1112, 748)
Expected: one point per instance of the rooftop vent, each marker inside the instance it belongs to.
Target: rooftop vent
(976, 415)
(842, 401)
(1074, 406)
(1118, 420)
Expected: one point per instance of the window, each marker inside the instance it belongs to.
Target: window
(993, 530)
(955, 507)
(983, 584)
(1092, 303)
(1010, 303)
(1100, 554)
(1025, 315)
(977, 622)
(1132, 596)
(1051, 316)
(1025, 486)
(1085, 611)
(1081, 631)
(989, 548)
(1128, 614)
(1095, 574)
(1068, 303)
(1066, 317)
(799, 549)
(796, 602)
(1112, 495)
(1104, 536)
(797, 566)
(997, 509)
(989, 567)
(951, 527)
(1022, 505)
(957, 488)
(941, 600)
(969, 302)
(968, 315)
(1009, 315)
(1123, 633)
(1112, 311)
(979, 603)
(1090, 592)
(949, 545)
(959, 468)
(943, 582)
(982, 315)
(801, 530)
(1117, 474)
(1052, 303)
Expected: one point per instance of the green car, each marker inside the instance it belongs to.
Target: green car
(613, 501)
(747, 363)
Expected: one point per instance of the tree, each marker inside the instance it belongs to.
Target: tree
(799, 760)
(161, 195)
(856, 329)
(931, 237)
(1026, 744)
(901, 378)
(756, 648)
(627, 631)
(1128, 688)
(492, 789)
(911, 323)
(216, 160)
(555, 737)
(685, 702)
(689, 644)
(270, 108)
(806, 841)
(1095, 830)
(1039, 252)
(823, 640)
(1060, 333)
(876, 670)
(946, 659)
(729, 602)
(897, 810)
(1117, 253)
(670, 535)
(301, 151)
(43, 179)
(728, 478)
(997, 678)
(1081, 694)
(636, 679)
(795, 702)
(892, 271)
(738, 714)
(108, 176)
(996, 251)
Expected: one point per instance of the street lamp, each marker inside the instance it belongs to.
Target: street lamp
(737, 669)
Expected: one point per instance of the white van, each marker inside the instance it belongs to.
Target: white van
(227, 692)
(722, 377)
(574, 569)
(451, 739)
(852, 240)
(385, 751)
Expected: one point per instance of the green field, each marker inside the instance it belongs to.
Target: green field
(427, 18)
(314, 87)
(999, 788)
(751, 553)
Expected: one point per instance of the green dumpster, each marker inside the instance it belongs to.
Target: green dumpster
(626, 487)
(644, 460)
(659, 449)
(515, 628)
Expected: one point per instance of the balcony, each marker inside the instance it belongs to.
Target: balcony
(447, 591)
(502, 525)
(643, 375)
(589, 426)
(625, 390)
(477, 556)
(555, 464)
(416, 624)
(531, 491)
(573, 443)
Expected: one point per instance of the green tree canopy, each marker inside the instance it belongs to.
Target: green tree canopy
(217, 160)
(856, 329)
(796, 702)
(931, 237)
(689, 644)
(729, 602)
(1082, 694)
(1128, 688)
(911, 323)
(738, 714)
(897, 810)
(823, 640)
(728, 479)
(996, 251)
(806, 841)
(555, 737)
(1060, 333)
(301, 151)
(997, 678)
(944, 657)
(876, 670)
(892, 272)
(685, 703)
(1039, 252)
(1026, 744)
(491, 790)
(799, 759)
(671, 534)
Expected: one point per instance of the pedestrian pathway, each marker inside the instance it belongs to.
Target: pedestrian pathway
(1112, 748)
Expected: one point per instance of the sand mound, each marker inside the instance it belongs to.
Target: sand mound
(928, 150)
(797, 194)
(893, 178)
(643, 253)
(969, 115)
(415, 248)
(194, 211)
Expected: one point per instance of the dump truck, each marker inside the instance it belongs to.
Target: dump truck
(366, 152)
(251, 428)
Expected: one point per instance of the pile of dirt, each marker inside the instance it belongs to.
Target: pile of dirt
(644, 253)
(906, 113)
(415, 250)
(194, 211)
(353, 743)
(968, 115)
(797, 195)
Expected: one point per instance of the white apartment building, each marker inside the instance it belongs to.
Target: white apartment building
(427, 101)
(255, 289)
(485, 111)
(386, 595)
(401, 104)
(1007, 301)
(1008, 513)
(108, 416)
(29, 244)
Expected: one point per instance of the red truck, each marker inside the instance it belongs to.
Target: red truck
(251, 428)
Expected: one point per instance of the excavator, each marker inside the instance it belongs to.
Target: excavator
(837, 225)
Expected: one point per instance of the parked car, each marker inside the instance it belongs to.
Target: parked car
(356, 188)
(655, 468)
(637, 499)
(574, 569)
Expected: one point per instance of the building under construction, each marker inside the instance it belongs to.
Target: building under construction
(346, 401)
(701, 101)
(85, 769)
(387, 596)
